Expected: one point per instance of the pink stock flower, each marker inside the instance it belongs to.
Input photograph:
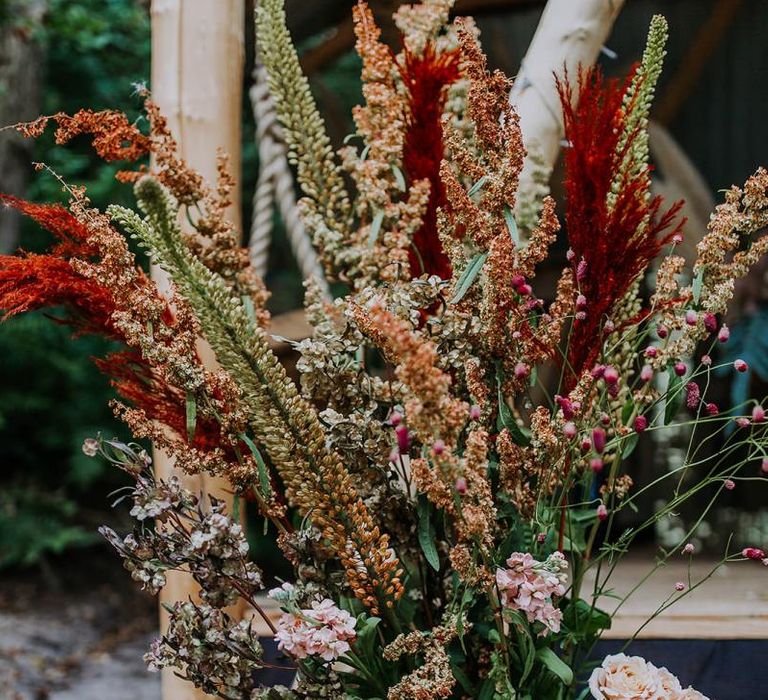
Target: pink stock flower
(598, 440)
(529, 585)
(323, 630)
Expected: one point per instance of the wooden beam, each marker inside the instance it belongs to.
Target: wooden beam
(690, 69)
(197, 72)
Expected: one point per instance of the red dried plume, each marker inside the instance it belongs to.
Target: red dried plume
(612, 245)
(427, 77)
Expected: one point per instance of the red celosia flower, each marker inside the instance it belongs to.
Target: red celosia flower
(612, 245)
(37, 281)
(426, 77)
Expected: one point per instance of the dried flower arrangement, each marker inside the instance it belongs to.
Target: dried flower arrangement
(446, 478)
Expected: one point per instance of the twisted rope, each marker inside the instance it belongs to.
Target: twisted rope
(275, 189)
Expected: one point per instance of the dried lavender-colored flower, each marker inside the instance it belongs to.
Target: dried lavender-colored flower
(90, 447)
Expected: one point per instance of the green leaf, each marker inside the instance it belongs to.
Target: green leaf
(264, 481)
(191, 416)
(628, 447)
(674, 397)
(427, 535)
(626, 411)
(478, 185)
(469, 275)
(698, 283)
(399, 177)
(365, 642)
(555, 664)
(373, 234)
(506, 419)
(525, 645)
(512, 226)
(488, 690)
(581, 618)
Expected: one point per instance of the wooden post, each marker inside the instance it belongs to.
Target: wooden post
(197, 74)
(570, 32)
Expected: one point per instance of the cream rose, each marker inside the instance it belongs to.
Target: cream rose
(689, 694)
(670, 685)
(623, 677)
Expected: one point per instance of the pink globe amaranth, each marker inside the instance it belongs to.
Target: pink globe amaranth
(764, 465)
(651, 351)
(729, 484)
(712, 409)
(403, 438)
(569, 430)
(723, 334)
(395, 418)
(461, 485)
(598, 440)
(753, 553)
(662, 331)
(740, 365)
(646, 373)
(710, 322)
(680, 369)
(596, 464)
(758, 414)
(691, 317)
(522, 370)
(602, 512)
(475, 412)
(641, 423)
(611, 375)
(438, 447)
(692, 395)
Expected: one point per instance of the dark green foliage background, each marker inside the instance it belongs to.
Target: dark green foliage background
(51, 396)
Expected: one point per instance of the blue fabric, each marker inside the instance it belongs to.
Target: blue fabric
(721, 669)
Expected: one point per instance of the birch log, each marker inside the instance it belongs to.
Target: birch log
(570, 32)
(197, 74)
